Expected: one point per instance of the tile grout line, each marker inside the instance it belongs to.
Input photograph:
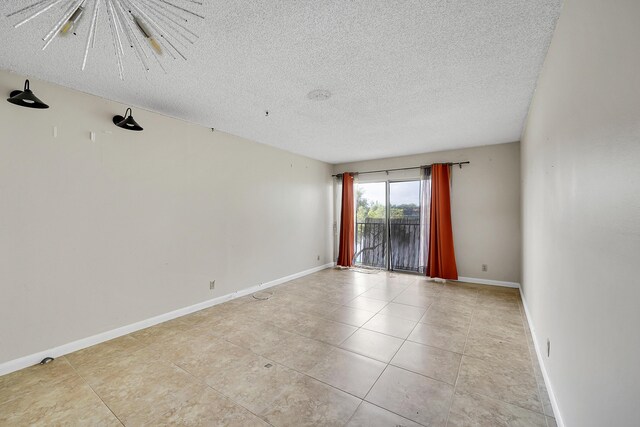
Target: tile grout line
(94, 392)
(204, 325)
(532, 357)
(408, 370)
(386, 363)
(389, 363)
(205, 384)
(464, 348)
(492, 397)
(354, 413)
(334, 387)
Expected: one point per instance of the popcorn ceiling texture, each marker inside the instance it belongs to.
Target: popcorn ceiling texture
(405, 76)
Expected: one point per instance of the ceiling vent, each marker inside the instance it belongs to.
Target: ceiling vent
(319, 95)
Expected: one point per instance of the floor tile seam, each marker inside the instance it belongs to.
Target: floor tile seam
(407, 337)
(519, 372)
(306, 374)
(494, 327)
(508, 340)
(395, 413)
(434, 347)
(385, 300)
(479, 324)
(95, 393)
(375, 382)
(305, 313)
(441, 325)
(220, 392)
(300, 335)
(314, 300)
(509, 403)
(484, 359)
(418, 373)
(370, 311)
(364, 355)
(387, 365)
(455, 383)
(302, 372)
(532, 354)
(403, 318)
(352, 334)
(354, 413)
(204, 383)
(198, 382)
(394, 336)
(381, 333)
(14, 398)
(382, 407)
(350, 324)
(422, 374)
(504, 401)
(415, 306)
(284, 330)
(20, 395)
(495, 398)
(360, 327)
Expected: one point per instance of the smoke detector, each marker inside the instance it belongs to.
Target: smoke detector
(319, 95)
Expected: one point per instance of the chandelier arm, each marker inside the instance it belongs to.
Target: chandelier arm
(41, 11)
(164, 17)
(131, 35)
(26, 8)
(182, 9)
(92, 33)
(56, 29)
(158, 28)
(170, 26)
(114, 39)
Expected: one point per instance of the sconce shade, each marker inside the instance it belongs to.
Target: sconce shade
(127, 121)
(26, 98)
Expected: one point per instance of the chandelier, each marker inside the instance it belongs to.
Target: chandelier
(151, 30)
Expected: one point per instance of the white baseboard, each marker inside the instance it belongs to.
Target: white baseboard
(489, 282)
(547, 381)
(33, 359)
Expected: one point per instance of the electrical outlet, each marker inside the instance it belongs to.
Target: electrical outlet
(212, 284)
(548, 347)
(485, 267)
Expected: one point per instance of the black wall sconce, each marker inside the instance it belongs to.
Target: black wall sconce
(26, 98)
(127, 121)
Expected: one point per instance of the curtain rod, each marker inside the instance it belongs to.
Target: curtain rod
(404, 169)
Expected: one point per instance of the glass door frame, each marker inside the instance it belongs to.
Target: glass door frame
(387, 241)
(385, 222)
(389, 182)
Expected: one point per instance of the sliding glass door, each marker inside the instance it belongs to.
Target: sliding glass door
(388, 225)
(371, 224)
(404, 225)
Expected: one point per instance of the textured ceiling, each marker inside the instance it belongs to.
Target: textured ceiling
(405, 76)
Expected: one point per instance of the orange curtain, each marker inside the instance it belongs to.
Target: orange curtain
(442, 258)
(345, 253)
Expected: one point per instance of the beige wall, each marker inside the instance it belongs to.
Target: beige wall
(581, 212)
(97, 235)
(485, 205)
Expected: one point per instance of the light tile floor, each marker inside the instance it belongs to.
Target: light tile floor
(334, 348)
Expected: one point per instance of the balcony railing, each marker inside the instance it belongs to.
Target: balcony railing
(404, 236)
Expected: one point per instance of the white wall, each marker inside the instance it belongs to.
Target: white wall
(97, 235)
(485, 205)
(581, 212)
